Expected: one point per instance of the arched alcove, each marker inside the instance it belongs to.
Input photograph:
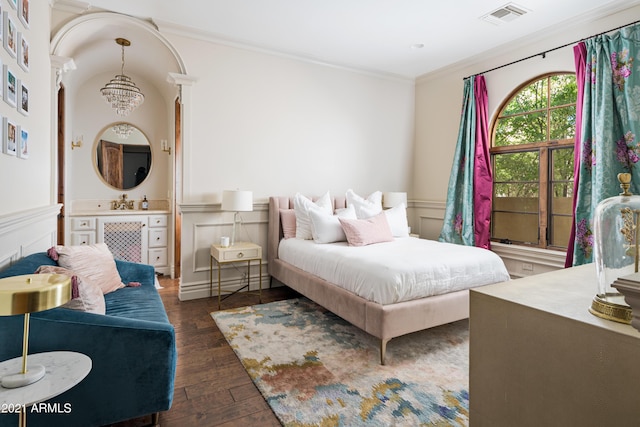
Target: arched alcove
(86, 44)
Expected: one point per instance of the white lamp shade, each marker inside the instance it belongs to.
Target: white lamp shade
(392, 199)
(237, 201)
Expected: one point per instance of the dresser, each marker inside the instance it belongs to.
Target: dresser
(137, 236)
(539, 358)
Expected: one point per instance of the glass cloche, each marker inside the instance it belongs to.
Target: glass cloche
(616, 254)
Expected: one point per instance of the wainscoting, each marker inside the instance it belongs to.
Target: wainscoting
(26, 232)
(204, 225)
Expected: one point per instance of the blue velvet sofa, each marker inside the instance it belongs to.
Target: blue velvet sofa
(132, 349)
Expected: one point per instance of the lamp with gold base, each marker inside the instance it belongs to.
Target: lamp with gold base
(25, 295)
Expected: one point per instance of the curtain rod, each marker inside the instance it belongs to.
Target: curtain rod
(543, 54)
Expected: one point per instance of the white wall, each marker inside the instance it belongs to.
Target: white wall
(277, 125)
(88, 115)
(26, 184)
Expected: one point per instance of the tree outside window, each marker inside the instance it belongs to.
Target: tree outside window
(532, 160)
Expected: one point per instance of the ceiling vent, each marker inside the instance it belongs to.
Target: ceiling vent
(506, 13)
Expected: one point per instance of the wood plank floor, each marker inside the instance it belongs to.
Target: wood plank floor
(211, 387)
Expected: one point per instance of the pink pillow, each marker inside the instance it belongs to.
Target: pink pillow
(93, 262)
(86, 296)
(288, 219)
(361, 232)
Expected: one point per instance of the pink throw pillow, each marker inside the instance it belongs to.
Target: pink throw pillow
(361, 232)
(288, 219)
(87, 297)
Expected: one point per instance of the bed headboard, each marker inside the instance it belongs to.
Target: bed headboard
(274, 232)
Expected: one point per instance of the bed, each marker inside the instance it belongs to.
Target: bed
(382, 312)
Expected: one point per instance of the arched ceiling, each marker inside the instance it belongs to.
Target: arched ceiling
(90, 41)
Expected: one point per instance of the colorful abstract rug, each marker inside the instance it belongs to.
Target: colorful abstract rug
(315, 369)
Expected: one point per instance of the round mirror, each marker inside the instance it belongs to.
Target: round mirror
(122, 156)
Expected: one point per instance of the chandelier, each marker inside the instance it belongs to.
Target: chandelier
(121, 92)
(123, 130)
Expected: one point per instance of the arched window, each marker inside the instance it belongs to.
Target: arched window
(532, 158)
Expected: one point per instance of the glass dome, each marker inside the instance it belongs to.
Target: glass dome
(616, 254)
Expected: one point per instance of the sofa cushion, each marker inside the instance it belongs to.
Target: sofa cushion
(89, 298)
(27, 265)
(93, 262)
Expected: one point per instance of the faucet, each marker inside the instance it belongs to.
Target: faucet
(122, 203)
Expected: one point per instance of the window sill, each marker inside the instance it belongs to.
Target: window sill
(524, 261)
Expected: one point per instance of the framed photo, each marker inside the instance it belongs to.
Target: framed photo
(23, 143)
(10, 133)
(10, 89)
(10, 34)
(23, 12)
(13, 3)
(1, 24)
(23, 52)
(23, 98)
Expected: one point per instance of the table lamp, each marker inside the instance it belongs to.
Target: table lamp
(391, 199)
(236, 201)
(25, 295)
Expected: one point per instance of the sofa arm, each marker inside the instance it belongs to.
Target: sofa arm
(133, 365)
(135, 272)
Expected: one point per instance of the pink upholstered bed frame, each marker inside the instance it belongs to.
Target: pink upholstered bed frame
(382, 321)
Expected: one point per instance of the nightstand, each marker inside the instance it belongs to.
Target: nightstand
(239, 252)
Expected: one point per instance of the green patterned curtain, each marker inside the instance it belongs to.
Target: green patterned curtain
(458, 224)
(610, 124)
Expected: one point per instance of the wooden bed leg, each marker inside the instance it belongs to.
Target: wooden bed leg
(383, 350)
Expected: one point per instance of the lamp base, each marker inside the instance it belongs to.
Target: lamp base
(603, 306)
(34, 373)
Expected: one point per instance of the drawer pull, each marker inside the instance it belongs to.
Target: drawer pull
(240, 255)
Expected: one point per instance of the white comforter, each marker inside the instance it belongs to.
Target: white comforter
(405, 269)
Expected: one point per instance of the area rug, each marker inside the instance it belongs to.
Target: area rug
(315, 369)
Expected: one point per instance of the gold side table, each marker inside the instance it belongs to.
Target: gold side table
(239, 252)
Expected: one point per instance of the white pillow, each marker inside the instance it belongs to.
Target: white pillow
(397, 219)
(93, 262)
(301, 206)
(365, 208)
(326, 228)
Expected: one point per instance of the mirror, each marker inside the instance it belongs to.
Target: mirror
(122, 156)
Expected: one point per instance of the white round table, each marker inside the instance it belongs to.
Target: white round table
(64, 369)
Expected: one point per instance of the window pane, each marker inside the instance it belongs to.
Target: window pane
(560, 230)
(516, 167)
(562, 164)
(505, 198)
(532, 97)
(562, 201)
(522, 129)
(516, 227)
(563, 123)
(563, 89)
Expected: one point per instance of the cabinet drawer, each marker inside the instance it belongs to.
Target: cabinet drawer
(157, 221)
(157, 237)
(158, 257)
(78, 239)
(240, 254)
(83, 224)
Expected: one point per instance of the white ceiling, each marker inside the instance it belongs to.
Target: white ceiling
(373, 35)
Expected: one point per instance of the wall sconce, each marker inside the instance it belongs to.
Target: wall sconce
(165, 146)
(77, 143)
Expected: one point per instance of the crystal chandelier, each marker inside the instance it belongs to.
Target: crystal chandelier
(121, 92)
(123, 130)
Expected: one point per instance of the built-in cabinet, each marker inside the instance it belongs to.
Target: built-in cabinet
(132, 237)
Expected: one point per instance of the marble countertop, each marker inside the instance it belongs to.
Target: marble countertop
(118, 212)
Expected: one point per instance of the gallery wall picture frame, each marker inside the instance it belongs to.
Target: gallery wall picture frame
(10, 34)
(10, 87)
(13, 3)
(22, 143)
(1, 25)
(23, 12)
(23, 52)
(9, 133)
(23, 98)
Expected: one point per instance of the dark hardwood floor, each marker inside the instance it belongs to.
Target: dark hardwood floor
(211, 387)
